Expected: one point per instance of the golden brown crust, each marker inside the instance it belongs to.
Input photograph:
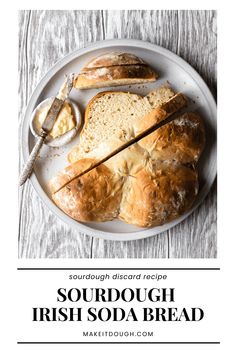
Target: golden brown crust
(158, 198)
(111, 59)
(114, 76)
(94, 196)
(181, 140)
(142, 197)
(68, 173)
(159, 114)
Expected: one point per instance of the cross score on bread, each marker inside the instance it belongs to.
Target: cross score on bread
(151, 182)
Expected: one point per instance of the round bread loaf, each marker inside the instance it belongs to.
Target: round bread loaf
(149, 183)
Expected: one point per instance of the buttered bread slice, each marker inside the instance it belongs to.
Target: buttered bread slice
(114, 115)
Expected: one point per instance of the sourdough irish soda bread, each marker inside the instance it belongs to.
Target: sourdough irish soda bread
(149, 183)
(115, 114)
(114, 69)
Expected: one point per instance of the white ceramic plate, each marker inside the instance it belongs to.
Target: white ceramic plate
(180, 75)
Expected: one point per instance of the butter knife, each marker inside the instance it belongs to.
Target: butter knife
(47, 126)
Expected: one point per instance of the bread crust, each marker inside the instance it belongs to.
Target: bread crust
(157, 198)
(94, 196)
(181, 140)
(149, 183)
(114, 76)
(112, 59)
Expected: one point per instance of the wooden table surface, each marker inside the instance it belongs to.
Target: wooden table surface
(47, 36)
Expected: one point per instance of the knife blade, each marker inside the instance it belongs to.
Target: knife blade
(57, 104)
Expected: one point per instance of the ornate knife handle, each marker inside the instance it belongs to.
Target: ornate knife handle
(28, 168)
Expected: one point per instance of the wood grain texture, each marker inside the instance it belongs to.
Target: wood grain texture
(47, 36)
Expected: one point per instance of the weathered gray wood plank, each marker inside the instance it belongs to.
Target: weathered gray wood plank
(196, 236)
(44, 38)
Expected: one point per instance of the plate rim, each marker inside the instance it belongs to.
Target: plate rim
(129, 236)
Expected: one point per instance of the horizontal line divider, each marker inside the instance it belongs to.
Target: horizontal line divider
(118, 268)
(118, 342)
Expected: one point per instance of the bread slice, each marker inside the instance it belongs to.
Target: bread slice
(114, 115)
(114, 69)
